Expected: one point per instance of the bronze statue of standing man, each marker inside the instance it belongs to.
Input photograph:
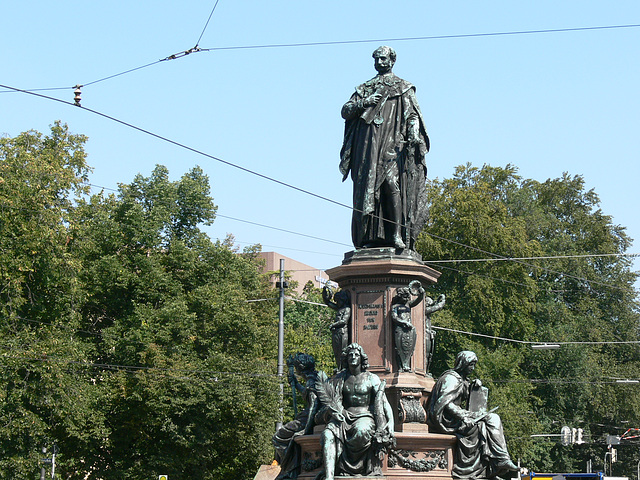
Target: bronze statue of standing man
(385, 143)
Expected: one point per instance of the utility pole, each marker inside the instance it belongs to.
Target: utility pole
(282, 284)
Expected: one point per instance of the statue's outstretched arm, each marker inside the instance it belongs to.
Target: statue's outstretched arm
(327, 294)
(416, 288)
(434, 307)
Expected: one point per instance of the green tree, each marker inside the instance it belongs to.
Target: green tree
(45, 396)
(493, 213)
(193, 393)
(307, 321)
(128, 338)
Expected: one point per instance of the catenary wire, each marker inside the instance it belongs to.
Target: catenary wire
(279, 182)
(181, 145)
(470, 260)
(260, 225)
(283, 230)
(425, 261)
(446, 329)
(280, 247)
(554, 257)
(302, 234)
(430, 37)
(207, 24)
(121, 73)
(492, 278)
(529, 342)
(340, 42)
(594, 282)
(168, 371)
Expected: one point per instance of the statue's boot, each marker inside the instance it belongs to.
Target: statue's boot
(505, 466)
(511, 466)
(397, 241)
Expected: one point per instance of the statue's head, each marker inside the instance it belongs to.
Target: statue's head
(355, 348)
(465, 362)
(403, 295)
(304, 364)
(383, 59)
(342, 298)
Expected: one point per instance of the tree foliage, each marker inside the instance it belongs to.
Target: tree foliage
(586, 295)
(128, 338)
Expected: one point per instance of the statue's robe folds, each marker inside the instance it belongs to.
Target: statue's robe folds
(481, 449)
(375, 139)
(358, 450)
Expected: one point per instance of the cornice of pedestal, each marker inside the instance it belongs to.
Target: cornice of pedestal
(382, 266)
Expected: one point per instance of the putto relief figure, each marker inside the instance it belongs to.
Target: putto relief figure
(384, 148)
(358, 417)
(458, 406)
(341, 303)
(404, 332)
(287, 451)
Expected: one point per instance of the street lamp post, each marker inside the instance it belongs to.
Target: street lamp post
(281, 342)
(604, 466)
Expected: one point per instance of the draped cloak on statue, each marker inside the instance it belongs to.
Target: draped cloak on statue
(359, 452)
(376, 146)
(481, 450)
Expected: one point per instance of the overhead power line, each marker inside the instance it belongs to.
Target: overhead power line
(529, 342)
(121, 73)
(429, 262)
(207, 24)
(293, 187)
(530, 265)
(170, 57)
(502, 280)
(430, 37)
(182, 145)
(282, 230)
(510, 282)
(550, 257)
(197, 49)
(222, 376)
(280, 247)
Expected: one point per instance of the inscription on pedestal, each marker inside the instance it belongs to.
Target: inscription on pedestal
(368, 325)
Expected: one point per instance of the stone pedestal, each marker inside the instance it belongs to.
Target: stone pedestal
(416, 456)
(372, 277)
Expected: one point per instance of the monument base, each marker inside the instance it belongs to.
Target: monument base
(372, 276)
(415, 456)
(383, 253)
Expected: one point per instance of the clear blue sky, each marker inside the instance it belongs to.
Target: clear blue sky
(547, 103)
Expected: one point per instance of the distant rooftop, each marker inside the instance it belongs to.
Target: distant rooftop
(298, 271)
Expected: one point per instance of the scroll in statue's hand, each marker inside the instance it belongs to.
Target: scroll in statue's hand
(372, 99)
